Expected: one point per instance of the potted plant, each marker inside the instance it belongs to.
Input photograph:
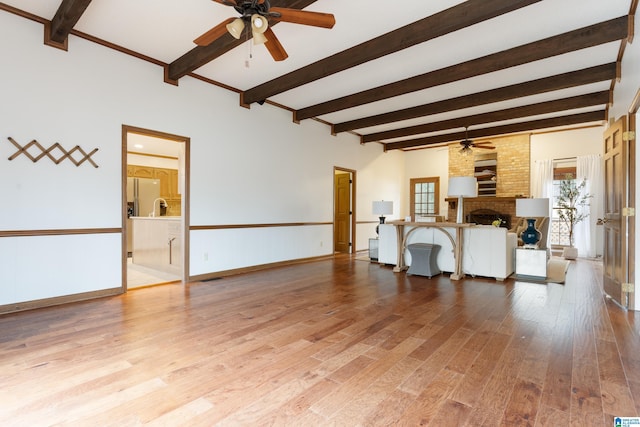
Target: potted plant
(570, 204)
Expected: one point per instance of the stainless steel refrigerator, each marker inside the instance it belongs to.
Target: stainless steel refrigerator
(141, 193)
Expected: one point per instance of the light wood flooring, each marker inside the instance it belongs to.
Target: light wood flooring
(339, 342)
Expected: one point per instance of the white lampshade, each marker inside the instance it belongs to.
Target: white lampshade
(462, 186)
(382, 207)
(532, 208)
(235, 27)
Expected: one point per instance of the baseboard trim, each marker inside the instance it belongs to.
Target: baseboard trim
(65, 299)
(253, 268)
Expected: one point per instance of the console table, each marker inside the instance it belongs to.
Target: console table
(444, 227)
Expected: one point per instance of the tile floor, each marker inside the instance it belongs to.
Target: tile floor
(139, 276)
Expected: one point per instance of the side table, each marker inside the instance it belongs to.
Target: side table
(373, 249)
(531, 263)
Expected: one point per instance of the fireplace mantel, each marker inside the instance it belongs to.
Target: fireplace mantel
(488, 199)
(505, 205)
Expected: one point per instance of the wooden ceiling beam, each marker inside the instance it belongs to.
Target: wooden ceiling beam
(567, 120)
(455, 18)
(599, 73)
(593, 35)
(554, 106)
(201, 55)
(56, 32)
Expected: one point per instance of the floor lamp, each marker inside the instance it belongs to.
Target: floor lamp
(461, 187)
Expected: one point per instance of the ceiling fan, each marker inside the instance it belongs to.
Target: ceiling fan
(255, 16)
(467, 143)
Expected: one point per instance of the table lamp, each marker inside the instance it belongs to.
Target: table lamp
(382, 208)
(461, 187)
(530, 208)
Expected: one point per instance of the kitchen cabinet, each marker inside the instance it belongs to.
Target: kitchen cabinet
(168, 182)
(168, 179)
(140, 171)
(165, 184)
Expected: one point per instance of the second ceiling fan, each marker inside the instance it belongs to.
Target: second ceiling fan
(254, 20)
(467, 144)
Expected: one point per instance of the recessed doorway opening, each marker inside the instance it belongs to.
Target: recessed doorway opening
(155, 191)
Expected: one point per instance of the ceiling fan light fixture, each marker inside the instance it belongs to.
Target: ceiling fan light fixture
(259, 38)
(236, 27)
(465, 150)
(259, 24)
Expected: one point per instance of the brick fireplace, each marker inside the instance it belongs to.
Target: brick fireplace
(512, 176)
(505, 206)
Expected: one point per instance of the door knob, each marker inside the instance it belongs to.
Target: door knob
(601, 221)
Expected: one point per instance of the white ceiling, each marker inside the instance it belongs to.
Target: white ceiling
(146, 144)
(165, 30)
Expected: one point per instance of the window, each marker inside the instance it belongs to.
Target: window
(425, 196)
(558, 231)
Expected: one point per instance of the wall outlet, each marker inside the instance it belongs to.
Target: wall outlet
(320, 243)
(206, 256)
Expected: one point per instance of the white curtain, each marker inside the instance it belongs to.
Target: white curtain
(590, 169)
(542, 181)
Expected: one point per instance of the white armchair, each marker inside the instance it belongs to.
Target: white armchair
(489, 251)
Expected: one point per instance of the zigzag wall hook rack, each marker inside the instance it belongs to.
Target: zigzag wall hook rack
(49, 152)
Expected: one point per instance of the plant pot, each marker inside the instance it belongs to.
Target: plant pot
(570, 252)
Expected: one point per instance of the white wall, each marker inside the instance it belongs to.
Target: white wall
(432, 162)
(273, 171)
(387, 175)
(558, 145)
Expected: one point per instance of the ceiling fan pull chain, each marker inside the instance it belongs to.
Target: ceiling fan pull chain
(249, 52)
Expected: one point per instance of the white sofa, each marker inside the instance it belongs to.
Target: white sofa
(487, 251)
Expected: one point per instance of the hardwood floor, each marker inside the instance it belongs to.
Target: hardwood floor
(338, 342)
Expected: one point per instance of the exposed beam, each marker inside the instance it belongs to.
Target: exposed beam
(56, 33)
(568, 120)
(594, 35)
(554, 106)
(585, 76)
(201, 55)
(455, 18)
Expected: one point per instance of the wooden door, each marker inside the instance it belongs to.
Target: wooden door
(342, 213)
(614, 269)
(631, 191)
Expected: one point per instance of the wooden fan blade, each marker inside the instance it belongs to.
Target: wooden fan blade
(214, 33)
(227, 2)
(295, 16)
(488, 147)
(274, 47)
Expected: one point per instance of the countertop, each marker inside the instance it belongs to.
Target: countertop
(155, 218)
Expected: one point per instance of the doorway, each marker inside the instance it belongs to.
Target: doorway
(155, 197)
(344, 233)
